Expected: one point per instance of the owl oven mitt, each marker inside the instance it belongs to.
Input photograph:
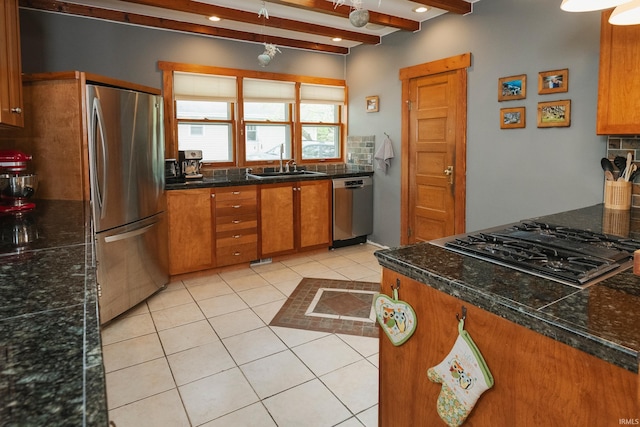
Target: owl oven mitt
(464, 376)
(396, 318)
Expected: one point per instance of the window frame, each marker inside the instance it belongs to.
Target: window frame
(290, 123)
(231, 122)
(341, 145)
(239, 140)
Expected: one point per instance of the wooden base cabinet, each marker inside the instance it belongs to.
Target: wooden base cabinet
(294, 216)
(190, 230)
(11, 107)
(236, 218)
(538, 381)
(619, 82)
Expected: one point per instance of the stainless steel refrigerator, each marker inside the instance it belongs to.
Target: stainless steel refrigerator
(126, 169)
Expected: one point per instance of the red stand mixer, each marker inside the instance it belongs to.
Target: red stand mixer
(16, 187)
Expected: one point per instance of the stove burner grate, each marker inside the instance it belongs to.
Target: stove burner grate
(561, 253)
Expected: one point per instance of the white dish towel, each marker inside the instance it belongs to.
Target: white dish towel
(384, 155)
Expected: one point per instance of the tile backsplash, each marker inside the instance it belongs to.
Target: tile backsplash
(359, 159)
(621, 145)
(360, 150)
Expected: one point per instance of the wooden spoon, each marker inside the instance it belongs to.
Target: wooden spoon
(627, 169)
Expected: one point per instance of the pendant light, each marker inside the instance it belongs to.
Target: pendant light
(626, 14)
(270, 50)
(589, 5)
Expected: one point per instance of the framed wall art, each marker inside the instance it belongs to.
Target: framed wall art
(554, 81)
(554, 114)
(512, 118)
(373, 104)
(513, 87)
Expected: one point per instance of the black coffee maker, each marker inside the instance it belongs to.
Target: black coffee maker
(172, 172)
(190, 161)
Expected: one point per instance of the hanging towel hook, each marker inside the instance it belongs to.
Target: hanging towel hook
(387, 135)
(464, 314)
(397, 285)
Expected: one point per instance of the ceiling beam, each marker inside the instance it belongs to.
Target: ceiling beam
(131, 18)
(328, 8)
(206, 10)
(459, 7)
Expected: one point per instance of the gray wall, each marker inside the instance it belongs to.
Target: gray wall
(511, 174)
(55, 42)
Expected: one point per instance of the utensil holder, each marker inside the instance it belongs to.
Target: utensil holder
(617, 195)
(617, 222)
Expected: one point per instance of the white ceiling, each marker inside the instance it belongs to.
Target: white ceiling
(397, 8)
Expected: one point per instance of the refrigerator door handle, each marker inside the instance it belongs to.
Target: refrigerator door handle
(129, 234)
(98, 129)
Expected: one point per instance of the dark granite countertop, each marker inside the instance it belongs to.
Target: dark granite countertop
(601, 319)
(51, 371)
(242, 179)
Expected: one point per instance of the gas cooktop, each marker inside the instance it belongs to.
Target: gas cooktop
(571, 256)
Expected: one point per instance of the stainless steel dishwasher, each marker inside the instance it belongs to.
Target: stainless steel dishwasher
(352, 210)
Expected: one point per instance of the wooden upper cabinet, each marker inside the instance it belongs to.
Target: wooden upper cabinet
(619, 80)
(11, 105)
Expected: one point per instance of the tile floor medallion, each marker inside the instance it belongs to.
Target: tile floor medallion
(336, 306)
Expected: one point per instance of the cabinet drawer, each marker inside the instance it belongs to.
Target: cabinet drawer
(235, 207)
(237, 193)
(236, 222)
(237, 254)
(236, 237)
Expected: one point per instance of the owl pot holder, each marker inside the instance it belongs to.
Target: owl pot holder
(396, 318)
(464, 376)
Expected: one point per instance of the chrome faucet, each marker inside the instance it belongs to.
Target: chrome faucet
(295, 166)
(281, 153)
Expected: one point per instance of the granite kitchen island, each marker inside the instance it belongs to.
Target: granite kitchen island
(560, 355)
(51, 371)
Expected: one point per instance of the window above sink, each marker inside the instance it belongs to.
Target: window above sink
(242, 118)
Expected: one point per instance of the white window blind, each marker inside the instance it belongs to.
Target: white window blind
(321, 94)
(193, 87)
(259, 90)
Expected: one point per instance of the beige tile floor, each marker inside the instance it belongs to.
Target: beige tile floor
(201, 353)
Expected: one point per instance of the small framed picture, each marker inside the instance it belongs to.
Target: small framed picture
(554, 81)
(512, 118)
(373, 104)
(513, 87)
(554, 114)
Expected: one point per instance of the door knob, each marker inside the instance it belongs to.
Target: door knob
(449, 172)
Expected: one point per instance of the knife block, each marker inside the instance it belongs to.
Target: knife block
(617, 195)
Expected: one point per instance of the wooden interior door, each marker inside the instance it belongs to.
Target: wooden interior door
(434, 150)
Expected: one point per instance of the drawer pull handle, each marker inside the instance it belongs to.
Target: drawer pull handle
(235, 193)
(237, 236)
(16, 110)
(236, 221)
(236, 253)
(237, 206)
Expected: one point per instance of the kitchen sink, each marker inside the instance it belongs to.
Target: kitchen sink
(271, 175)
